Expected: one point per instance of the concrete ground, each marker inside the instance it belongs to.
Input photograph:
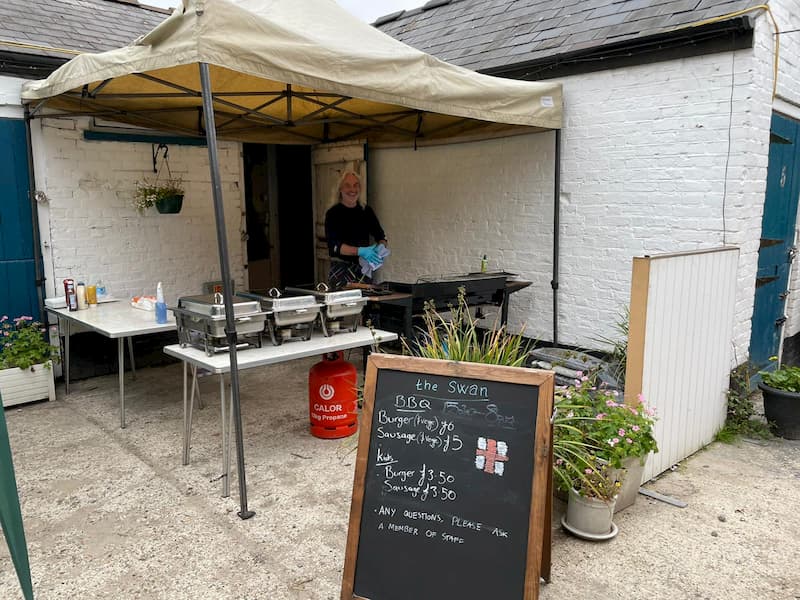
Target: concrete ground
(112, 513)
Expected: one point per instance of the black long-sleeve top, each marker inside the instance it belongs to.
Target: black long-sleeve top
(351, 226)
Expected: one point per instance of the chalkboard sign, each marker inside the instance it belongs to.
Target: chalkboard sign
(452, 490)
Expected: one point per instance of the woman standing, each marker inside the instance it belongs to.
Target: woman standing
(349, 225)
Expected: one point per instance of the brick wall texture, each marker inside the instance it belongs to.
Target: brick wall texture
(91, 230)
(655, 158)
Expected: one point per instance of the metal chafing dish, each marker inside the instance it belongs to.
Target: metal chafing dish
(290, 316)
(201, 322)
(341, 309)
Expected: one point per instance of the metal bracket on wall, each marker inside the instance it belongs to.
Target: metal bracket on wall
(156, 150)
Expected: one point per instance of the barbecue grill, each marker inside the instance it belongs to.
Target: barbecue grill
(341, 309)
(201, 322)
(479, 288)
(290, 316)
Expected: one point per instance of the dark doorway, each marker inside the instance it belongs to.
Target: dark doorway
(279, 213)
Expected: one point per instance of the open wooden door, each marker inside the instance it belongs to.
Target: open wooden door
(328, 162)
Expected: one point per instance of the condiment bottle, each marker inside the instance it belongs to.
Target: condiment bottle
(91, 296)
(161, 306)
(484, 264)
(69, 291)
(81, 293)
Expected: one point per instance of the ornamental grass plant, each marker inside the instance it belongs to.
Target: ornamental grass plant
(23, 343)
(457, 337)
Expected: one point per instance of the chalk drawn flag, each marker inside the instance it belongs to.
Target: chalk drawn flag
(491, 456)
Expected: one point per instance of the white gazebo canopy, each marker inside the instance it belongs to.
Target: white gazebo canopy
(291, 71)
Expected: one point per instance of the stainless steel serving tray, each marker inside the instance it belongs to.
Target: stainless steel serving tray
(212, 305)
(328, 297)
(276, 301)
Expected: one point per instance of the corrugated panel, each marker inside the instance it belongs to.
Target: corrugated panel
(687, 349)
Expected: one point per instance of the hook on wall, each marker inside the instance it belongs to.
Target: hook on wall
(156, 151)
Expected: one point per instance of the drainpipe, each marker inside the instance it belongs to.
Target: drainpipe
(556, 226)
(37, 250)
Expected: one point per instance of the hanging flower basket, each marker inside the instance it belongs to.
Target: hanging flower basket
(170, 205)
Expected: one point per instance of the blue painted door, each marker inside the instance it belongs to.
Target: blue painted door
(777, 233)
(17, 274)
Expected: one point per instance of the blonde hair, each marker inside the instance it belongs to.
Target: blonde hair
(337, 191)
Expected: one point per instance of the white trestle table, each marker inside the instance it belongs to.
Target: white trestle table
(115, 320)
(219, 364)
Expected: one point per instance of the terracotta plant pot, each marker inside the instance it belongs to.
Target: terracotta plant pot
(782, 410)
(170, 205)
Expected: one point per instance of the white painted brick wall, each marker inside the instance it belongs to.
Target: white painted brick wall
(444, 207)
(92, 231)
(644, 154)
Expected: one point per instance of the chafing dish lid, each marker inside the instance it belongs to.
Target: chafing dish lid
(213, 305)
(323, 294)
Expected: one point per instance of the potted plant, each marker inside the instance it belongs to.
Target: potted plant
(617, 433)
(781, 392)
(166, 195)
(25, 361)
(592, 498)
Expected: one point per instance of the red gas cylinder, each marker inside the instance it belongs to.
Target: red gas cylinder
(332, 397)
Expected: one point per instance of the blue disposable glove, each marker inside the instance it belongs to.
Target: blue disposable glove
(370, 254)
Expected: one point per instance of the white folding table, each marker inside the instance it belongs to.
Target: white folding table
(219, 364)
(116, 320)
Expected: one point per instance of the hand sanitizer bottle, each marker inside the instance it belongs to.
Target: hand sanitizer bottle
(161, 306)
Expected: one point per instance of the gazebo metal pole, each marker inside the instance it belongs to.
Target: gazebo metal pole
(227, 294)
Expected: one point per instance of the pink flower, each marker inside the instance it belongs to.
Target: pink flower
(610, 403)
(4, 318)
(629, 440)
(613, 442)
(559, 461)
(600, 416)
(584, 378)
(616, 440)
(640, 398)
(587, 471)
(621, 432)
(635, 428)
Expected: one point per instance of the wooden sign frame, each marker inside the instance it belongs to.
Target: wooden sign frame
(538, 561)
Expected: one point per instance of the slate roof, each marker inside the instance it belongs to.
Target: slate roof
(487, 35)
(82, 25)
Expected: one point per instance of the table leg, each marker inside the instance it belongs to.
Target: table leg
(187, 416)
(121, 358)
(130, 356)
(226, 491)
(66, 355)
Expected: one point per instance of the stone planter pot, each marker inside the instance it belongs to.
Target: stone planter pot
(18, 386)
(782, 410)
(589, 518)
(170, 205)
(631, 480)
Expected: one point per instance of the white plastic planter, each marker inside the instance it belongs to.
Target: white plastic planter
(18, 386)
